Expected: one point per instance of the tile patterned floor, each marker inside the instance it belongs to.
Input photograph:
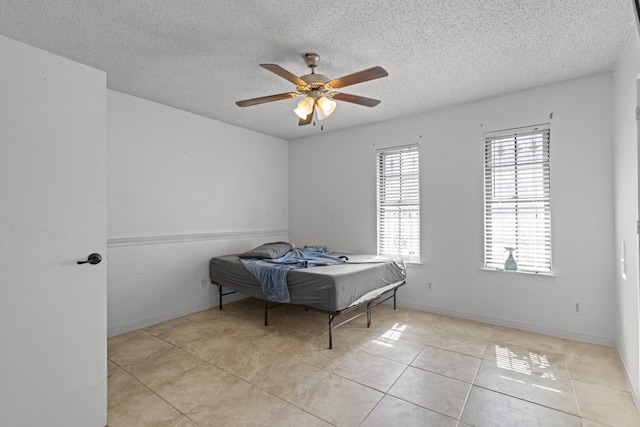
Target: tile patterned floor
(224, 368)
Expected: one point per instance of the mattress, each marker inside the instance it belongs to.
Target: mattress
(331, 288)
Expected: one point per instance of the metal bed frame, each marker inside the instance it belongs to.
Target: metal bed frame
(332, 314)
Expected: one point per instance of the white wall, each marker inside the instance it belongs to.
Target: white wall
(626, 210)
(182, 189)
(332, 202)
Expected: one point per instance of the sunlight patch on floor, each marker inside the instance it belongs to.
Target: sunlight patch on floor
(391, 336)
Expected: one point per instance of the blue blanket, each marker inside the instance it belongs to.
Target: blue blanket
(272, 273)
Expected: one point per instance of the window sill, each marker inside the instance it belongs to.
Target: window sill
(414, 264)
(525, 273)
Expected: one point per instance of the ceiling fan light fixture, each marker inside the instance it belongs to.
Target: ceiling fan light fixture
(320, 114)
(326, 107)
(300, 113)
(305, 107)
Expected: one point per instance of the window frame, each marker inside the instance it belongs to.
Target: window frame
(403, 212)
(528, 211)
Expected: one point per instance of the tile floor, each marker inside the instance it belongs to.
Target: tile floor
(224, 368)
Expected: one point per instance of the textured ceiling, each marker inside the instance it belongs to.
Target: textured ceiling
(202, 55)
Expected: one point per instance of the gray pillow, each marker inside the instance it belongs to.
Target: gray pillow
(268, 250)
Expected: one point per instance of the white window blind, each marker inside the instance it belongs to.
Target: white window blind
(399, 203)
(517, 198)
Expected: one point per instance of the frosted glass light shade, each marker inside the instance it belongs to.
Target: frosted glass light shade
(326, 107)
(305, 107)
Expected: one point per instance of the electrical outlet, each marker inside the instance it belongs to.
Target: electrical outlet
(577, 308)
(429, 287)
(204, 283)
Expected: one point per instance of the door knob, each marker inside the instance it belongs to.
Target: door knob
(93, 259)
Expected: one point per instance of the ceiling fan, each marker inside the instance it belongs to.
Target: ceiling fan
(319, 91)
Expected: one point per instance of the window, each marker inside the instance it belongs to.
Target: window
(517, 202)
(399, 203)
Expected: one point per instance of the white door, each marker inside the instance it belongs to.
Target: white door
(53, 214)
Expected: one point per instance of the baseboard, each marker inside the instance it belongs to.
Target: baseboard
(516, 325)
(140, 324)
(144, 323)
(634, 395)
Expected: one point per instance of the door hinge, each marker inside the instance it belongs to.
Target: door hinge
(637, 114)
(638, 226)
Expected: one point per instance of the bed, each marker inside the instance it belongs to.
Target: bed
(361, 280)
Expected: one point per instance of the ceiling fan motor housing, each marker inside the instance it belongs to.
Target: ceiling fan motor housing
(314, 82)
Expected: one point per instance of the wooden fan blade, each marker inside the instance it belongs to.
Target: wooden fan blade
(263, 99)
(355, 99)
(359, 77)
(284, 74)
(306, 121)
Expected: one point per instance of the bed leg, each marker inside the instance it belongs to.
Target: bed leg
(331, 317)
(220, 296)
(266, 311)
(368, 315)
(394, 298)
